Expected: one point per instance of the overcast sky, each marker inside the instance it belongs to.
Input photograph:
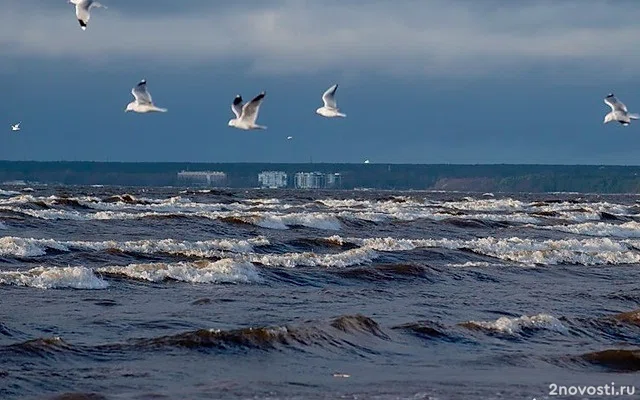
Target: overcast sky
(425, 81)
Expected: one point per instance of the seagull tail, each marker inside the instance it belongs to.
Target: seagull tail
(161, 109)
(634, 116)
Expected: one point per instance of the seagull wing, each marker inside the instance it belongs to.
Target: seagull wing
(82, 13)
(141, 93)
(96, 5)
(329, 97)
(250, 110)
(236, 106)
(614, 103)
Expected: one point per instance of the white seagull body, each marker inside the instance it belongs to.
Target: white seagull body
(618, 112)
(83, 8)
(330, 108)
(143, 102)
(16, 127)
(246, 114)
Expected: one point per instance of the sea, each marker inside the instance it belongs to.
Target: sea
(125, 293)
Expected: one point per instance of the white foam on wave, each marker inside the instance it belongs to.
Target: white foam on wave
(470, 264)
(629, 229)
(513, 326)
(26, 247)
(221, 271)
(54, 278)
(410, 210)
(262, 201)
(471, 204)
(345, 203)
(309, 259)
(8, 192)
(310, 220)
(596, 251)
(30, 247)
(263, 219)
(363, 216)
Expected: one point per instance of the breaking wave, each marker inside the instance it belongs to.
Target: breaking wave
(54, 278)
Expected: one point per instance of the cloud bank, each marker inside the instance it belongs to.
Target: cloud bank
(432, 38)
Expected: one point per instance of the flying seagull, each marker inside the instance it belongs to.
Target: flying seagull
(143, 102)
(16, 127)
(246, 114)
(289, 137)
(618, 112)
(83, 8)
(330, 108)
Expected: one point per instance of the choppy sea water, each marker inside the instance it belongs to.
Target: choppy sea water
(128, 293)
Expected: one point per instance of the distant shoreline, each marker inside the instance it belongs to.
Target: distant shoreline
(531, 178)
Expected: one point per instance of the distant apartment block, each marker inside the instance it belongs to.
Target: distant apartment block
(202, 178)
(272, 179)
(317, 180)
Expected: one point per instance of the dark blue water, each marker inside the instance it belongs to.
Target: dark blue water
(124, 293)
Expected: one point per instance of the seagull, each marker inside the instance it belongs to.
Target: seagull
(366, 161)
(82, 10)
(16, 127)
(289, 137)
(143, 102)
(618, 112)
(246, 114)
(330, 108)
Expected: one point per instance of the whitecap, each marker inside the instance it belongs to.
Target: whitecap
(221, 271)
(54, 278)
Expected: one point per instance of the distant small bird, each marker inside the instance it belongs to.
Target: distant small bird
(289, 137)
(330, 108)
(366, 161)
(618, 112)
(83, 7)
(246, 114)
(16, 127)
(143, 102)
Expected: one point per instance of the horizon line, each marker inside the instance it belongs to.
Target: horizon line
(315, 163)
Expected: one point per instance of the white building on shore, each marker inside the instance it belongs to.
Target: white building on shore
(309, 180)
(273, 179)
(317, 180)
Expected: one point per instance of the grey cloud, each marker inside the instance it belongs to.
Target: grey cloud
(403, 37)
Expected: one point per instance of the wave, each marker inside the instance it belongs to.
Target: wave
(309, 259)
(262, 219)
(274, 214)
(30, 247)
(519, 326)
(54, 278)
(339, 334)
(614, 360)
(596, 251)
(631, 317)
(221, 271)
(336, 334)
(629, 229)
(38, 348)
(430, 331)
(386, 272)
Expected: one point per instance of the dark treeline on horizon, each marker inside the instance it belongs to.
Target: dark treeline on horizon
(498, 177)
